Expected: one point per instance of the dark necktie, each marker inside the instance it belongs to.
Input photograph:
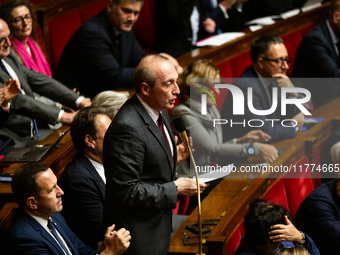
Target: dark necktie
(160, 122)
(3, 67)
(270, 91)
(51, 226)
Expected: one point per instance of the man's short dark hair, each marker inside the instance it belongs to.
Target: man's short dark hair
(7, 7)
(261, 46)
(335, 6)
(24, 184)
(144, 73)
(261, 216)
(116, 2)
(84, 124)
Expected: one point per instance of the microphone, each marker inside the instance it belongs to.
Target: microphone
(180, 128)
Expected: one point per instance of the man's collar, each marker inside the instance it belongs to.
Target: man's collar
(40, 220)
(152, 112)
(334, 38)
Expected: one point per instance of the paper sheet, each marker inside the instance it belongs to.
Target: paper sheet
(220, 39)
(216, 174)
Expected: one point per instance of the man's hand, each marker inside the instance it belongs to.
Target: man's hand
(283, 81)
(209, 25)
(8, 91)
(300, 118)
(188, 187)
(288, 233)
(182, 150)
(179, 69)
(115, 242)
(85, 103)
(67, 117)
(254, 136)
(268, 152)
(229, 3)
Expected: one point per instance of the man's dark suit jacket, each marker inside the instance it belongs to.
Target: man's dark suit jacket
(83, 200)
(319, 216)
(93, 61)
(250, 10)
(25, 107)
(26, 236)
(277, 132)
(140, 191)
(174, 32)
(316, 57)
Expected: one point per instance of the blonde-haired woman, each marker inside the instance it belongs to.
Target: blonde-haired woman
(207, 139)
(298, 250)
(110, 100)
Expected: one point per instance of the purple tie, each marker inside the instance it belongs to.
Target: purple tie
(160, 122)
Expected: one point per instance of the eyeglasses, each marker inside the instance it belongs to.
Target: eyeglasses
(5, 39)
(18, 20)
(279, 61)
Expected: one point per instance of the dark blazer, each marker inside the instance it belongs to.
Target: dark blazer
(174, 32)
(25, 107)
(3, 116)
(316, 57)
(140, 192)
(319, 216)
(250, 10)
(93, 61)
(83, 200)
(26, 236)
(277, 132)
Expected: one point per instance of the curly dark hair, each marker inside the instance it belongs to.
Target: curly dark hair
(6, 9)
(261, 216)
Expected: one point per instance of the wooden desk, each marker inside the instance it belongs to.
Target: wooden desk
(56, 159)
(230, 199)
(236, 47)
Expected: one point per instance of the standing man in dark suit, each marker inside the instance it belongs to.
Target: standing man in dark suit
(103, 53)
(39, 228)
(318, 57)
(83, 180)
(24, 107)
(270, 64)
(140, 160)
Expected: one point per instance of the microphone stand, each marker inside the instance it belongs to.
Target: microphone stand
(185, 140)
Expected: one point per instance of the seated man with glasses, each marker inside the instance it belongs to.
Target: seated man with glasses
(28, 122)
(265, 78)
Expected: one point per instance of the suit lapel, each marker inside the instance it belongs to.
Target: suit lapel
(65, 236)
(153, 128)
(88, 165)
(42, 230)
(330, 42)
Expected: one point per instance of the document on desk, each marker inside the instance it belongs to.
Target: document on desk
(311, 4)
(214, 172)
(264, 21)
(220, 39)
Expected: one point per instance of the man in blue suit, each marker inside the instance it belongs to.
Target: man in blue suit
(318, 57)
(83, 179)
(270, 64)
(39, 228)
